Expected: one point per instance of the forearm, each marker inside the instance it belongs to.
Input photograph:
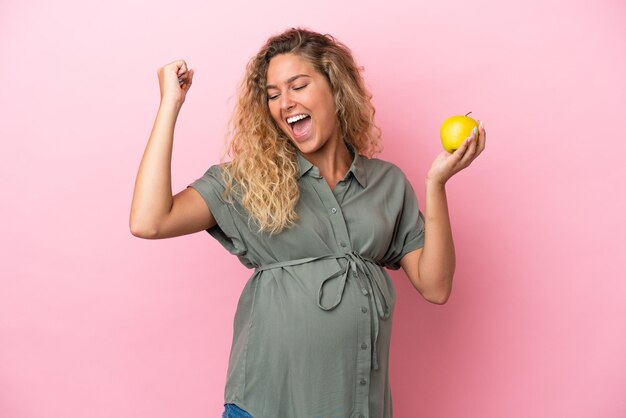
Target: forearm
(437, 261)
(152, 197)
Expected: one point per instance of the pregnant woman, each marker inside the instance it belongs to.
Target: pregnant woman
(305, 204)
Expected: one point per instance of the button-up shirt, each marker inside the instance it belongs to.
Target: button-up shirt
(312, 328)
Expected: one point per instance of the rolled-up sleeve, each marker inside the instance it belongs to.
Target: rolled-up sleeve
(211, 188)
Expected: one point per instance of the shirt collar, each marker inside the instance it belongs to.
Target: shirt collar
(357, 168)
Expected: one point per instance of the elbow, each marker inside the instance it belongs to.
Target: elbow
(439, 299)
(440, 295)
(141, 231)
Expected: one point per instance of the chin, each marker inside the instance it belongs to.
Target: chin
(307, 147)
(301, 145)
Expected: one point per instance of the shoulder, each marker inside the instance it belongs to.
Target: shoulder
(215, 174)
(213, 180)
(386, 178)
(213, 186)
(216, 170)
(377, 169)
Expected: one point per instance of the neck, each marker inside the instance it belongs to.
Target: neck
(333, 161)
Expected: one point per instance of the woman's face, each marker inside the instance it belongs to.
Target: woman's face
(301, 102)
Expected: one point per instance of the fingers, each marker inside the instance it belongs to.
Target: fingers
(174, 80)
(183, 74)
(464, 148)
(464, 155)
(482, 138)
(476, 143)
(178, 67)
(470, 149)
(186, 81)
(181, 67)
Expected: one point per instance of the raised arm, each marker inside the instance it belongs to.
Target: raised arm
(431, 268)
(154, 212)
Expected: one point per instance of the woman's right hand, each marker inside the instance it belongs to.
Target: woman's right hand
(174, 81)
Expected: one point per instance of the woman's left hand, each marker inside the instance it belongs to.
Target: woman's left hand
(448, 164)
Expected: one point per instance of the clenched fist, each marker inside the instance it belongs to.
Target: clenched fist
(174, 81)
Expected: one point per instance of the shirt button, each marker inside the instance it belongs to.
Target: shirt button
(363, 346)
(363, 309)
(361, 416)
(364, 290)
(363, 381)
(343, 244)
(334, 210)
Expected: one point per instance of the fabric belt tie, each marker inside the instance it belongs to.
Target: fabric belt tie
(379, 306)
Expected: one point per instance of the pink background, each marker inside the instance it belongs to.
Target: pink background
(95, 322)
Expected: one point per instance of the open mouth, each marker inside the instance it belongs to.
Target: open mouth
(299, 124)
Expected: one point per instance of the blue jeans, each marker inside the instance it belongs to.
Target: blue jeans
(233, 411)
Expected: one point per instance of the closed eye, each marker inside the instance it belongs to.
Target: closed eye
(275, 96)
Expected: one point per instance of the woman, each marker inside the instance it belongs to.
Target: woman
(302, 203)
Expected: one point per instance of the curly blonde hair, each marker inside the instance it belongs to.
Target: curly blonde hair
(264, 166)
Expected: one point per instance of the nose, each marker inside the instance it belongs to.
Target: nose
(286, 102)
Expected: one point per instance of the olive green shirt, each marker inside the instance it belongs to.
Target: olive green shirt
(313, 323)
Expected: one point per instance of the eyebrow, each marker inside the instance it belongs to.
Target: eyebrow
(291, 79)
